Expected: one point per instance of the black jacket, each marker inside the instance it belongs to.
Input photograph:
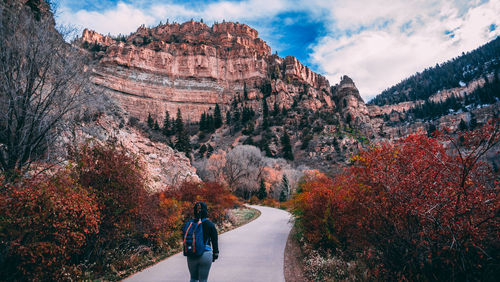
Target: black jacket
(210, 235)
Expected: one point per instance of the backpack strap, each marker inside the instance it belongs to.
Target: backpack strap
(185, 235)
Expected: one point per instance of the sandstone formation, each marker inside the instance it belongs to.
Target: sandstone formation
(351, 105)
(192, 66)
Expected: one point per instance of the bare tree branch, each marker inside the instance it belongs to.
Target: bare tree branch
(43, 80)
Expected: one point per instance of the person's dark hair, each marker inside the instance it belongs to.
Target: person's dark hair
(200, 210)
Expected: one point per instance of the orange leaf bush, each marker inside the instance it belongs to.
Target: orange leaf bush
(44, 225)
(96, 216)
(217, 197)
(415, 209)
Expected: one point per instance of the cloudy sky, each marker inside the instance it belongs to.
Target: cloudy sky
(376, 42)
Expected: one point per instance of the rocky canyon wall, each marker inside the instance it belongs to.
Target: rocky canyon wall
(192, 66)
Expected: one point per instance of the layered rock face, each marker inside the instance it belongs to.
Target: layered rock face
(192, 66)
(351, 105)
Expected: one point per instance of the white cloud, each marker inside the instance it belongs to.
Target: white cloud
(123, 19)
(377, 56)
(376, 42)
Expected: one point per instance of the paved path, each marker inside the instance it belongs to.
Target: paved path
(253, 252)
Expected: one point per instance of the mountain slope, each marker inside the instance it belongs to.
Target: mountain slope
(454, 73)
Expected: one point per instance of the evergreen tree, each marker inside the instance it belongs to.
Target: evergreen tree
(210, 150)
(462, 126)
(348, 118)
(262, 193)
(203, 122)
(228, 117)
(431, 129)
(245, 91)
(182, 143)
(166, 124)
(265, 114)
(210, 123)
(151, 122)
(202, 150)
(156, 126)
(285, 188)
(217, 117)
(287, 147)
(473, 122)
(247, 114)
(179, 123)
(236, 116)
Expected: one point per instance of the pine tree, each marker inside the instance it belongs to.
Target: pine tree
(179, 124)
(236, 116)
(265, 114)
(151, 122)
(228, 117)
(262, 194)
(473, 122)
(210, 123)
(462, 126)
(431, 129)
(287, 147)
(245, 91)
(202, 150)
(210, 150)
(203, 122)
(182, 143)
(348, 118)
(285, 188)
(217, 117)
(166, 124)
(156, 126)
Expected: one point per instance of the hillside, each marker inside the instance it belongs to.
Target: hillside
(194, 68)
(457, 72)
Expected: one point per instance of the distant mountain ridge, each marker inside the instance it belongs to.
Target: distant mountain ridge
(453, 73)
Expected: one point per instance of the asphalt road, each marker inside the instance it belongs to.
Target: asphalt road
(253, 252)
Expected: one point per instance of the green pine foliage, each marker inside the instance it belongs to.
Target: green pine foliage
(182, 143)
(217, 117)
(262, 193)
(166, 129)
(285, 189)
(265, 114)
(150, 121)
(287, 146)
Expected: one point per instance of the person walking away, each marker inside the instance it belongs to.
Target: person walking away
(200, 243)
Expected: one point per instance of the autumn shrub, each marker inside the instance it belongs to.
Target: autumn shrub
(415, 209)
(44, 224)
(217, 197)
(254, 200)
(117, 179)
(270, 202)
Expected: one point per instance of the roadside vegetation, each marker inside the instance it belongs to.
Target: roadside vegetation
(420, 208)
(94, 218)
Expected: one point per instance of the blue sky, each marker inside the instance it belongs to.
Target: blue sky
(376, 42)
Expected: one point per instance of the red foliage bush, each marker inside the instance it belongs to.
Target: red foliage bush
(116, 177)
(416, 209)
(44, 223)
(216, 196)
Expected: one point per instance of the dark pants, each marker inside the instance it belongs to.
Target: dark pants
(200, 266)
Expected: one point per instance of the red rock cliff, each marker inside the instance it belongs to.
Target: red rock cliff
(192, 66)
